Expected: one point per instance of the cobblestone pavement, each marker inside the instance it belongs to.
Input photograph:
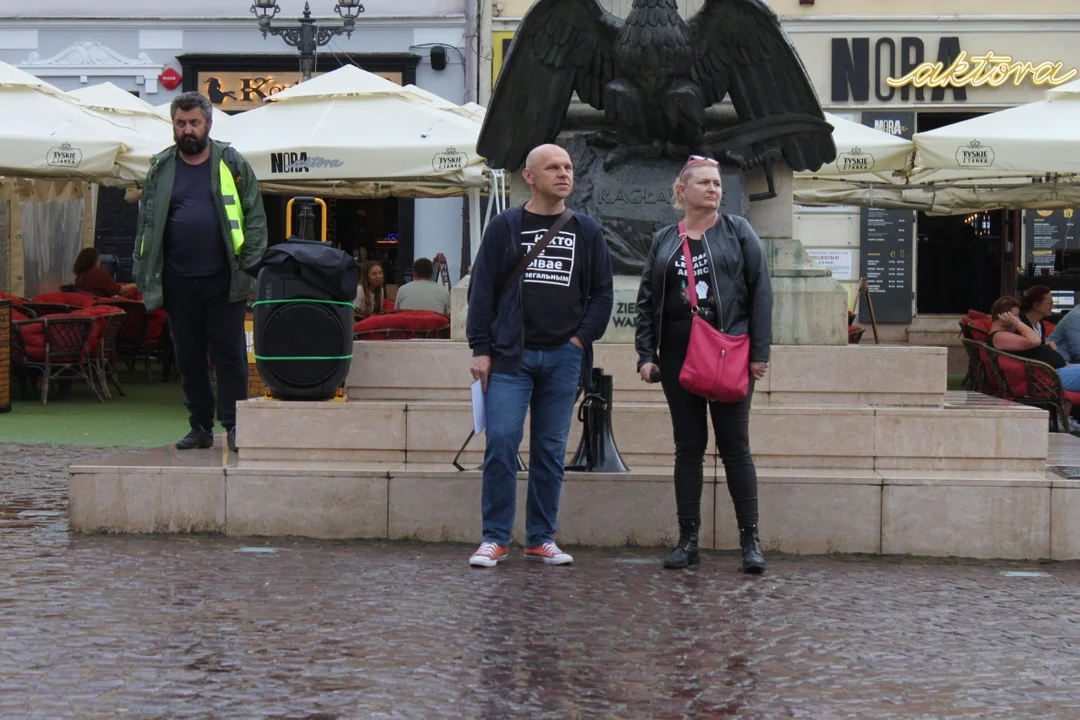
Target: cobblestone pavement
(191, 627)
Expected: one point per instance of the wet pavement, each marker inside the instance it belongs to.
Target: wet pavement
(202, 627)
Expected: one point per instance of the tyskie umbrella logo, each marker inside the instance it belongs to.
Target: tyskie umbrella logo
(975, 155)
(64, 156)
(855, 160)
(449, 161)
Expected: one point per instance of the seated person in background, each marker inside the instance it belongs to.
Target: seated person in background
(1035, 307)
(369, 299)
(1009, 334)
(423, 293)
(91, 278)
(1066, 336)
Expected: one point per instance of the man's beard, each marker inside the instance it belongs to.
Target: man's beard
(192, 145)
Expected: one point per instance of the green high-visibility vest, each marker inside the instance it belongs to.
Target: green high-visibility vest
(234, 213)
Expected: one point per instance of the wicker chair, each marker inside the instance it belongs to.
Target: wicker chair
(134, 342)
(42, 308)
(1040, 387)
(64, 356)
(103, 360)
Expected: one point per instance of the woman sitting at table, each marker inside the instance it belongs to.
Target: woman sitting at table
(1035, 307)
(1009, 334)
(369, 300)
(91, 278)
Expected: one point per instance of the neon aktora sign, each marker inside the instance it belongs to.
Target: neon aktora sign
(989, 69)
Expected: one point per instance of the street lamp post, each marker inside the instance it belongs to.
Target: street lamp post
(307, 37)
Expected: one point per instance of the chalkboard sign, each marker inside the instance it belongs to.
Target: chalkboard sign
(1050, 230)
(886, 240)
(885, 262)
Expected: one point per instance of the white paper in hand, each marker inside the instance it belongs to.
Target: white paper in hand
(479, 409)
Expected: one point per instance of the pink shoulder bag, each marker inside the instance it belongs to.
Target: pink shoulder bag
(717, 366)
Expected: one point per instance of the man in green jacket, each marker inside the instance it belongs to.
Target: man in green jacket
(202, 235)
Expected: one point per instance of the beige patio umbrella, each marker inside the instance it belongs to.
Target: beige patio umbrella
(350, 132)
(1034, 139)
(44, 132)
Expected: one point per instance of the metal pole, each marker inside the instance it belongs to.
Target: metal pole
(471, 50)
(307, 45)
(486, 58)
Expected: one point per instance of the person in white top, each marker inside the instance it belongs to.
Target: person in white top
(423, 293)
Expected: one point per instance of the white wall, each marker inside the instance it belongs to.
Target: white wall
(438, 230)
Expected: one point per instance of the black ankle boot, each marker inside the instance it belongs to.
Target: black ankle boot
(686, 552)
(753, 561)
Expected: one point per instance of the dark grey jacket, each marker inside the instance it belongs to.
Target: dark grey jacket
(740, 278)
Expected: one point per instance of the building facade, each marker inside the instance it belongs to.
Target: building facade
(937, 267)
(158, 49)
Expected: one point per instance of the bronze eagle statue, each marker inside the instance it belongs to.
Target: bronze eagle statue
(654, 75)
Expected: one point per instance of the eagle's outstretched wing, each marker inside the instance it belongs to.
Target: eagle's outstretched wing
(561, 46)
(743, 51)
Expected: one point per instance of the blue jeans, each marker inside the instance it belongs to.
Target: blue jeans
(1070, 378)
(547, 384)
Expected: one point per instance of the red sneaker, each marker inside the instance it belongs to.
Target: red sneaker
(549, 554)
(489, 554)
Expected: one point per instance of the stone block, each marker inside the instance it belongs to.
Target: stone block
(637, 508)
(428, 502)
(809, 311)
(809, 512)
(1065, 522)
(313, 503)
(947, 515)
(409, 370)
(268, 429)
(1013, 432)
(872, 370)
(146, 500)
(800, 433)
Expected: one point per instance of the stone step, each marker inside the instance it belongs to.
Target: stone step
(935, 338)
(988, 514)
(965, 434)
(935, 323)
(798, 375)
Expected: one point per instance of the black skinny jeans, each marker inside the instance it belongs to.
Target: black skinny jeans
(731, 422)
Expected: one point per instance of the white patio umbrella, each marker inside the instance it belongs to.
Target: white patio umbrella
(44, 132)
(1034, 139)
(353, 133)
(861, 150)
(150, 132)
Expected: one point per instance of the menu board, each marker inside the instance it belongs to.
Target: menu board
(887, 240)
(886, 264)
(1047, 231)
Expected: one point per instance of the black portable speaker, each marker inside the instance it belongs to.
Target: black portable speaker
(304, 319)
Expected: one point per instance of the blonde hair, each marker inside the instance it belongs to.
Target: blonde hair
(677, 200)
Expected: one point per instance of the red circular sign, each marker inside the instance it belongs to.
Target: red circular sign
(170, 79)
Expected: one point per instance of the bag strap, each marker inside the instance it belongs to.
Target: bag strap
(690, 264)
(555, 229)
(691, 290)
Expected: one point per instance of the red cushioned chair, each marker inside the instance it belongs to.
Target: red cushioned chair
(54, 346)
(77, 299)
(1032, 383)
(15, 299)
(143, 335)
(404, 325)
(101, 348)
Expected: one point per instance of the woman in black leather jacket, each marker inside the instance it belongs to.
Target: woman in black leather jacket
(735, 294)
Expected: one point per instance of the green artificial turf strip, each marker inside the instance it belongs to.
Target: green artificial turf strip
(149, 416)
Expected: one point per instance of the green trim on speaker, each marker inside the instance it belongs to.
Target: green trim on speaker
(305, 357)
(302, 300)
